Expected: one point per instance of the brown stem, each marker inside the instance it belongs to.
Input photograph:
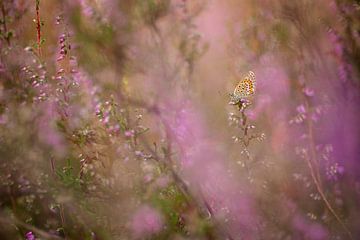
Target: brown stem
(38, 26)
(40, 232)
(245, 138)
(52, 165)
(61, 208)
(324, 198)
(3, 11)
(62, 217)
(312, 142)
(315, 174)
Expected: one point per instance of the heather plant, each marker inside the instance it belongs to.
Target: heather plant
(246, 136)
(112, 125)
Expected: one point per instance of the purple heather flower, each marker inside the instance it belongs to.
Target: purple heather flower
(148, 177)
(60, 58)
(163, 182)
(311, 230)
(146, 221)
(129, 133)
(30, 236)
(301, 109)
(340, 170)
(308, 92)
(106, 119)
(62, 38)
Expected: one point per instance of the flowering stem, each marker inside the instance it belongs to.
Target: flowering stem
(244, 126)
(326, 201)
(245, 139)
(315, 175)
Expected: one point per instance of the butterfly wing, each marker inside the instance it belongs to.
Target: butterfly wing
(246, 86)
(241, 89)
(251, 75)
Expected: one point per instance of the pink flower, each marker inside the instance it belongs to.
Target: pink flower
(30, 236)
(148, 178)
(129, 133)
(47, 130)
(311, 230)
(163, 182)
(301, 109)
(146, 221)
(308, 92)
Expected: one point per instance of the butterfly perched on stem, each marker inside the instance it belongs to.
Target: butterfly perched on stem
(245, 88)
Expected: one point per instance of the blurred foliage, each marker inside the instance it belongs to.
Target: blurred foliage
(91, 128)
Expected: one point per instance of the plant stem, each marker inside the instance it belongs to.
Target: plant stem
(3, 11)
(38, 26)
(13, 220)
(315, 174)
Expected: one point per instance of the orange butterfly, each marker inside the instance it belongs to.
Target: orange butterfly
(246, 86)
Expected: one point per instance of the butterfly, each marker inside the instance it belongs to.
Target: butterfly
(246, 86)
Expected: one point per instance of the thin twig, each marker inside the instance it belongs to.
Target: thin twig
(16, 221)
(315, 175)
(38, 26)
(3, 11)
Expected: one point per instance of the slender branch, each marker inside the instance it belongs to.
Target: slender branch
(3, 11)
(315, 174)
(324, 198)
(38, 26)
(312, 143)
(40, 232)
(244, 126)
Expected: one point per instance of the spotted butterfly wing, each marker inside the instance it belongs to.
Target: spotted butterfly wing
(246, 86)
